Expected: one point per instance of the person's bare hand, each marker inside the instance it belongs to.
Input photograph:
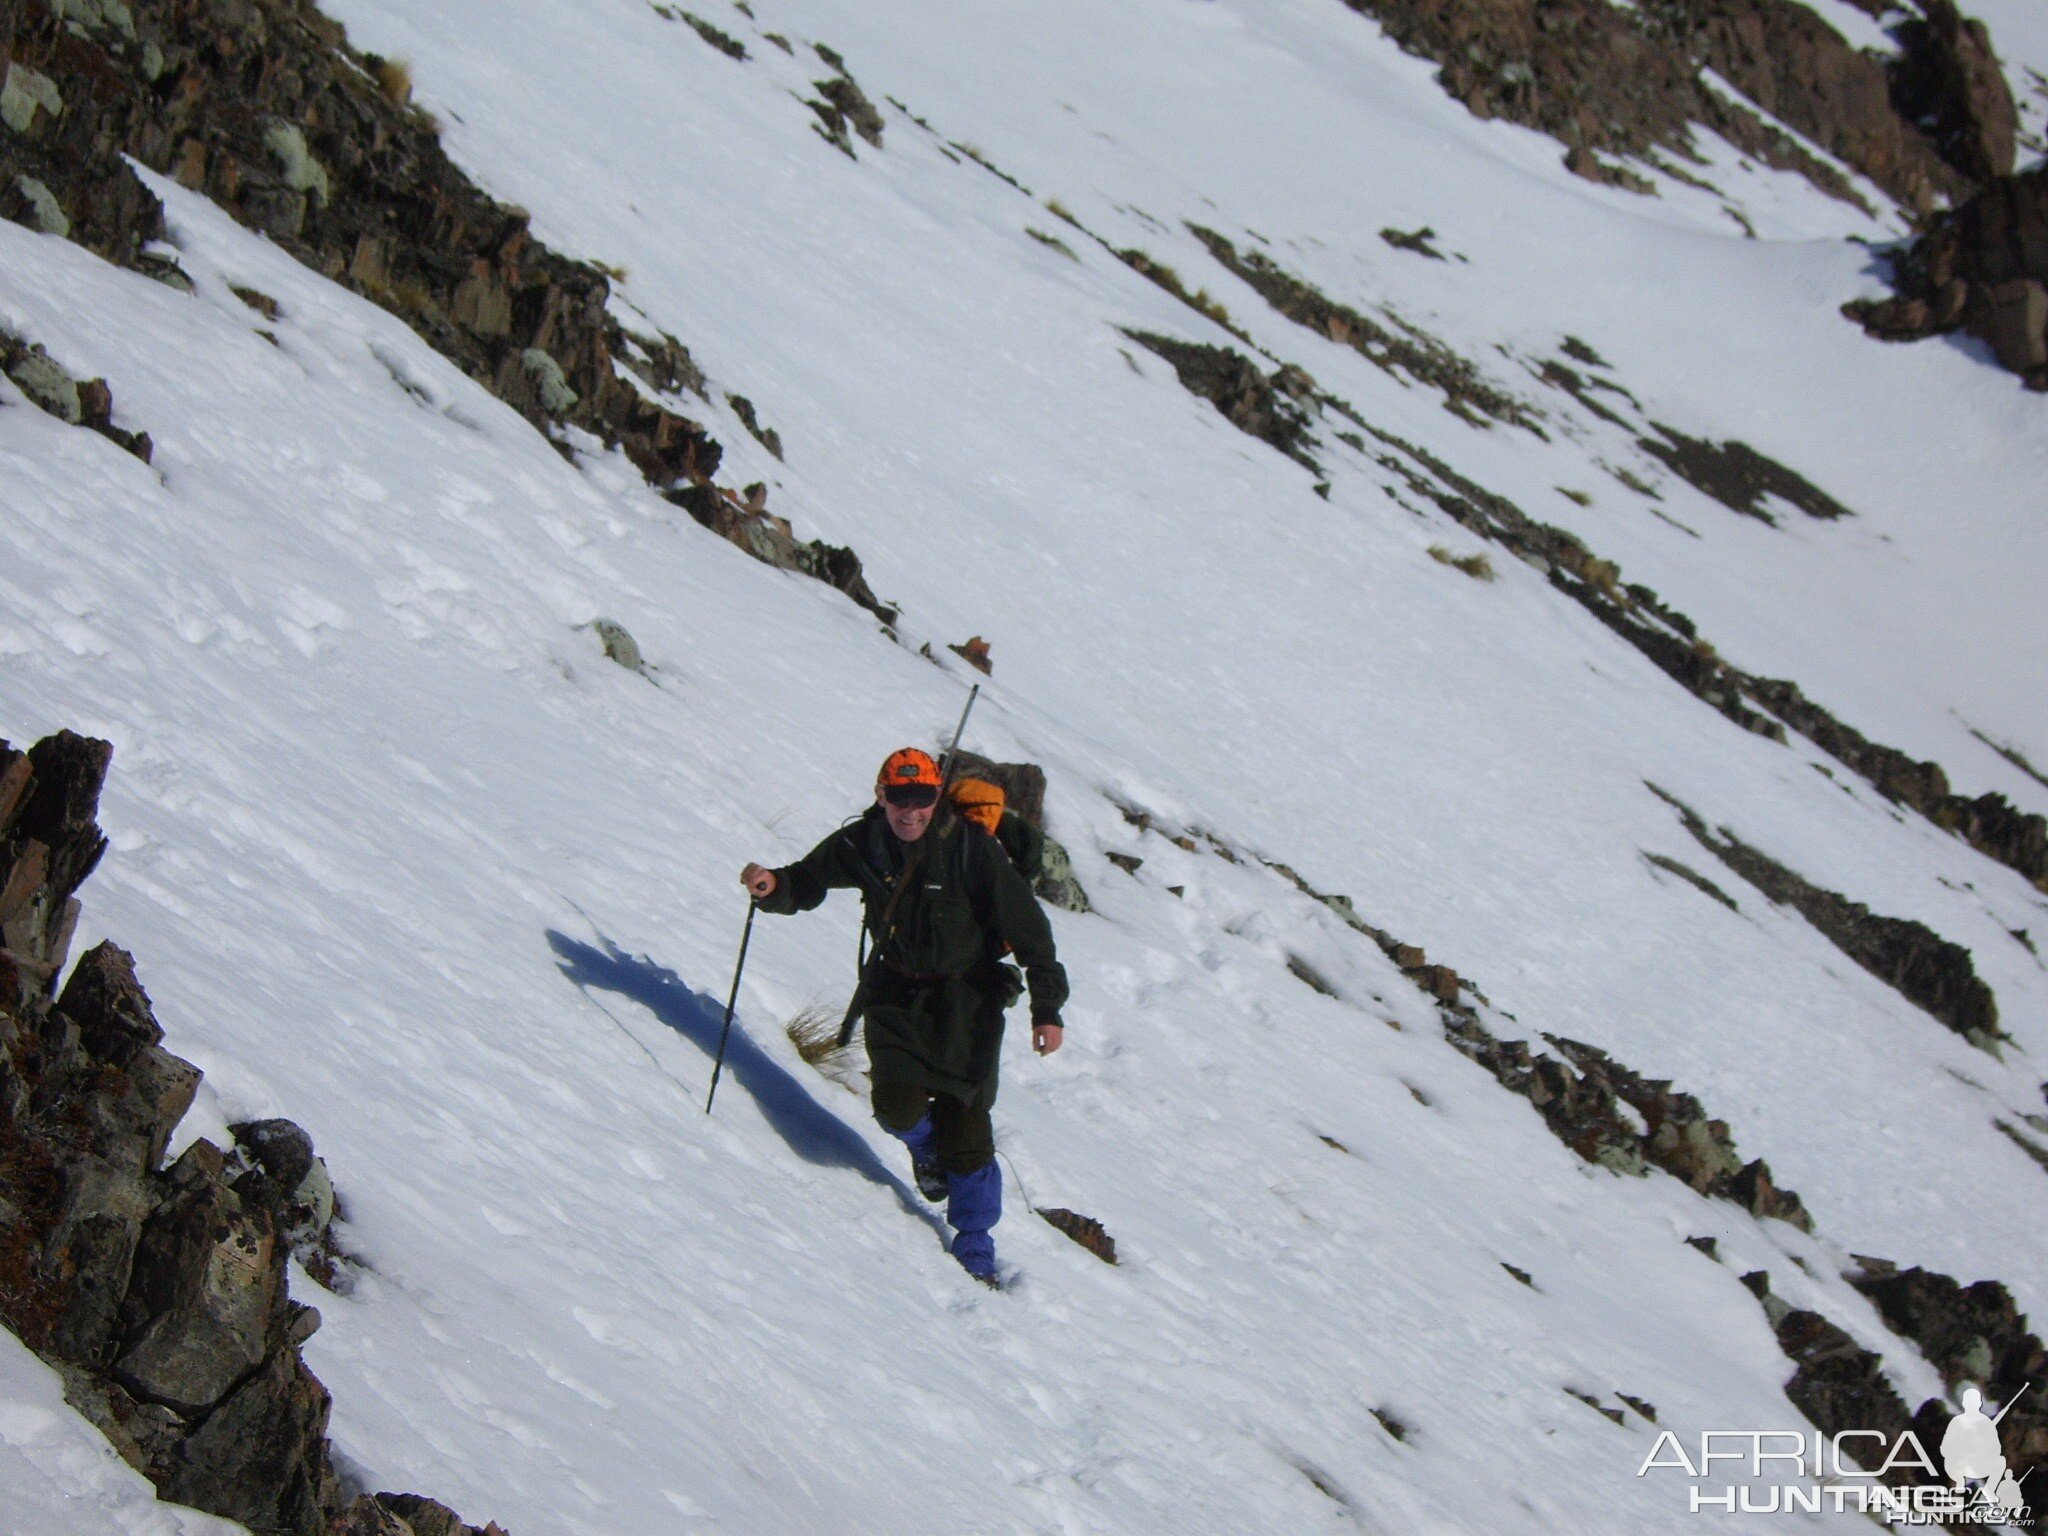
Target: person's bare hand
(1046, 1036)
(759, 881)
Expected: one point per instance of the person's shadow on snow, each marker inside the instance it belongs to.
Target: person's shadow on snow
(812, 1131)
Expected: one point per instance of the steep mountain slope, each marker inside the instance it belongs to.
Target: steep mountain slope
(402, 856)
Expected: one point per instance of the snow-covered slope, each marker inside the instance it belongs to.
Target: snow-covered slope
(403, 857)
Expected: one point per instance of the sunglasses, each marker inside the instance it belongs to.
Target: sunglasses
(911, 796)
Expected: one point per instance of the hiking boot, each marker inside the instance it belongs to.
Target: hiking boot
(931, 1177)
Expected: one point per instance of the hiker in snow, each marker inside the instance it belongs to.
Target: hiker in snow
(934, 990)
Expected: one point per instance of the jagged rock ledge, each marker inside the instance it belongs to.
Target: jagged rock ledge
(1933, 973)
(158, 1294)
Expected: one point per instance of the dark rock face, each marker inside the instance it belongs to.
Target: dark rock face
(1625, 85)
(1261, 404)
(262, 105)
(1923, 967)
(1950, 81)
(158, 1294)
(1982, 269)
(1839, 1385)
(1975, 1336)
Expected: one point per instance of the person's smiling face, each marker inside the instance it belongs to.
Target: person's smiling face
(908, 821)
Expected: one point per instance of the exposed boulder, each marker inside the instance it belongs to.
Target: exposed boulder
(1948, 80)
(1982, 269)
(1085, 1230)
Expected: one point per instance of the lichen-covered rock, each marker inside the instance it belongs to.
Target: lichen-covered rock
(208, 1287)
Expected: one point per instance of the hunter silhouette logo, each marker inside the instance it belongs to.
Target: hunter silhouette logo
(1970, 1451)
(1857, 1470)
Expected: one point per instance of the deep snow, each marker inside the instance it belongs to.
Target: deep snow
(402, 857)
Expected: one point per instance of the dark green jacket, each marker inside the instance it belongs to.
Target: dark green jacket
(935, 988)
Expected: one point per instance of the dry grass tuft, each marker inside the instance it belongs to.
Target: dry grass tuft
(394, 79)
(1478, 566)
(815, 1034)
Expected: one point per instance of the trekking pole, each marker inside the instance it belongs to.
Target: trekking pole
(958, 731)
(860, 986)
(725, 1034)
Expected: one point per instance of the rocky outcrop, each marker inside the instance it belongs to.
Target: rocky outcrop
(159, 1294)
(1268, 406)
(84, 403)
(1975, 1336)
(1736, 475)
(743, 519)
(842, 105)
(1624, 83)
(1984, 270)
(264, 107)
(1403, 352)
(1839, 1385)
(1948, 81)
(1927, 970)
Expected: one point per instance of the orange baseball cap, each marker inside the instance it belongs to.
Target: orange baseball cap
(909, 766)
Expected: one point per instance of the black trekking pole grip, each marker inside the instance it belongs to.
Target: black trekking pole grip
(725, 1034)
